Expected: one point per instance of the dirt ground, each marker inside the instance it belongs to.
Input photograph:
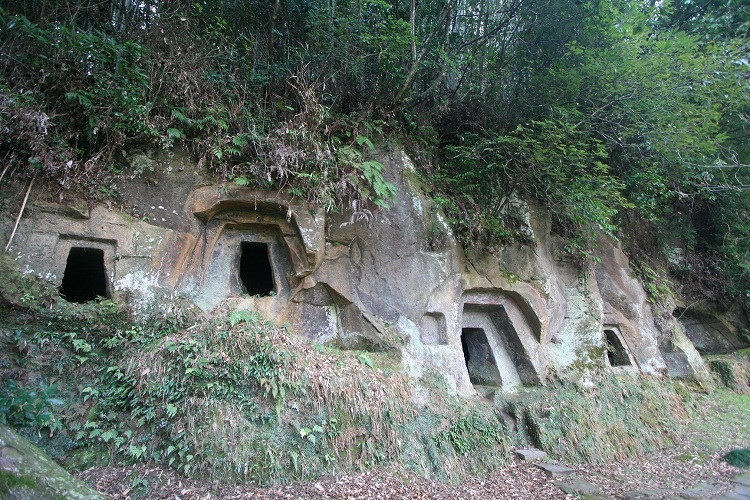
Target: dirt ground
(691, 468)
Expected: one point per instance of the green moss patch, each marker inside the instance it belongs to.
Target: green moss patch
(41, 477)
(10, 481)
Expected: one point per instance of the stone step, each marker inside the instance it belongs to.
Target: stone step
(703, 490)
(555, 470)
(530, 454)
(647, 493)
(575, 486)
(739, 492)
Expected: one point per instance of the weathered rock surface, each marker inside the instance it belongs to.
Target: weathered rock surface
(626, 310)
(27, 473)
(710, 333)
(647, 493)
(737, 493)
(702, 490)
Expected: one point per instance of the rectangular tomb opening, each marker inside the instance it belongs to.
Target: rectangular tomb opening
(85, 278)
(256, 273)
(616, 353)
(432, 329)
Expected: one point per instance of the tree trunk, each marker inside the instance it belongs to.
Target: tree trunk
(271, 28)
(412, 24)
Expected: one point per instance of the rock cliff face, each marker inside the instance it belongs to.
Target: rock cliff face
(398, 282)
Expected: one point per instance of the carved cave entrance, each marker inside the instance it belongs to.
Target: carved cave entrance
(616, 353)
(493, 351)
(480, 362)
(85, 278)
(255, 271)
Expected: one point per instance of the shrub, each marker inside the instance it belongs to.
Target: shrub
(738, 458)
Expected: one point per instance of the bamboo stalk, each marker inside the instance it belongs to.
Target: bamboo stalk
(4, 170)
(20, 213)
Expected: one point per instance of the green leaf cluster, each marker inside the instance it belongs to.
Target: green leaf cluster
(24, 406)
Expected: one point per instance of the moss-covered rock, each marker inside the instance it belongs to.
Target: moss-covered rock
(26, 472)
(731, 371)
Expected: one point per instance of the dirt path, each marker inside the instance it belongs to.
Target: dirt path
(691, 468)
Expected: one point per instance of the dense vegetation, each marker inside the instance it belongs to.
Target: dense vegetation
(626, 117)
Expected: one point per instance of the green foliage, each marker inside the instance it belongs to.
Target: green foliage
(725, 267)
(731, 371)
(475, 431)
(28, 406)
(217, 399)
(659, 288)
(139, 486)
(368, 173)
(613, 114)
(738, 458)
(723, 371)
(103, 92)
(553, 161)
(325, 430)
(658, 109)
(365, 360)
(90, 101)
(149, 413)
(243, 316)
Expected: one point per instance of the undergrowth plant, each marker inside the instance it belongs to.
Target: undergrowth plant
(738, 458)
(22, 406)
(618, 417)
(232, 398)
(473, 431)
(552, 161)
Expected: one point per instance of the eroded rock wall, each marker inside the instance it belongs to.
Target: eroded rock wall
(398, 281)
